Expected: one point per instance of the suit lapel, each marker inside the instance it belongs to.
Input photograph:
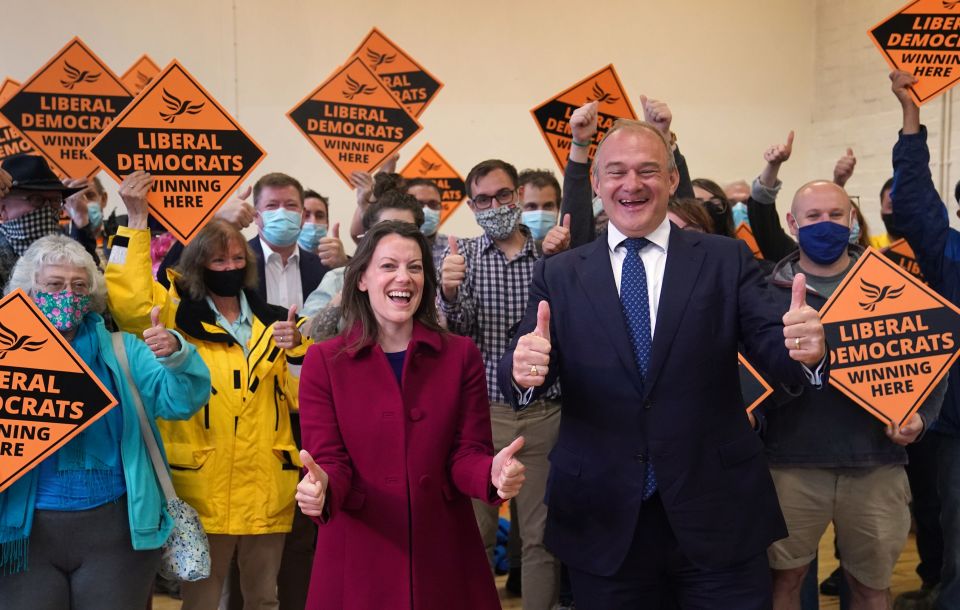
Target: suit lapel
(596, 277)
(684, 259)
(261, 266)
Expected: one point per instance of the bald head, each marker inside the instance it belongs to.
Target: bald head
(820, 196)
(737, 191)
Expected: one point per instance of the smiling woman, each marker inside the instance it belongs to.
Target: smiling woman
(394, 412)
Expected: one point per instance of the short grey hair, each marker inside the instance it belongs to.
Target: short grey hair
(636, 127)
(57, 250)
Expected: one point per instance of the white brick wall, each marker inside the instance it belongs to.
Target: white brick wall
(853, 106)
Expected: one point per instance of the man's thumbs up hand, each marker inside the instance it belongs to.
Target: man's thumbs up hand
(802, 329)
(330, 249)
(452, 270)
(558, 238)
(531, 359)
(312, 489)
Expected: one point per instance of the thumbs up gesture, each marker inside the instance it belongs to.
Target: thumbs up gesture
(658, 114)
(160, 341)
(843, 170)
(330, 248)
(452, 270)
(506, 473)
(312, 489)
(285, 333)
(802, 330)
(531, 359)
(237, 211)
(777, 154)
(558, 238)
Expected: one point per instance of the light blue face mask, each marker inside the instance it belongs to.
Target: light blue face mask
(95, 213)
(597, 206)
(310, 235)
(281, 227)
(539, 222)
(740, 215)
(431, 221)
(854, 231)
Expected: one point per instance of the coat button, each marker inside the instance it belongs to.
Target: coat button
(647, 405)
(640, 457)
(425, 481)
(416, 414)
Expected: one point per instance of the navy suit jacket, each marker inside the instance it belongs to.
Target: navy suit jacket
(687, 417)
(311, 269)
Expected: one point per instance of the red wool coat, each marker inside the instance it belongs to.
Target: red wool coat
(399, 530)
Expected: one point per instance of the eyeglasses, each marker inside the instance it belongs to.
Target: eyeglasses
(37, 200)
(76, 287)
(503, 196)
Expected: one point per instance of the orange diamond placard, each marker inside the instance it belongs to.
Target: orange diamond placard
(753, 386)
(923, 38)
(891, 338)
(12, 141)
(902, 254)
(553, 116)
(354, 120)
(48, 395)
(745, 233)
(409, 81)
(197, 153)
(65, 105)
(140, 74)
(428, 163)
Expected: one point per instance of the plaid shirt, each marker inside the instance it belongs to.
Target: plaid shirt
(491, 301)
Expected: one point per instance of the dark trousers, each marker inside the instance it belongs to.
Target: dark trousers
(922, 474)
(657, 575)
(83, 560)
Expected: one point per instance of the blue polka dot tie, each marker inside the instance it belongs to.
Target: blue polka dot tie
(636, 309)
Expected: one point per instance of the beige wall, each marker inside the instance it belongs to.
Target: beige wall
(738, 75)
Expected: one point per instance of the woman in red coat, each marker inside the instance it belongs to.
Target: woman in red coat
(395, 415)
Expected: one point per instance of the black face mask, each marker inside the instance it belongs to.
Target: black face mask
(224, 283)
(888, 223)
(722, 218)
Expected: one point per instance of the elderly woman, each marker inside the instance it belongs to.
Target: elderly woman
(235, 462)
(396, 415)
(94, 508)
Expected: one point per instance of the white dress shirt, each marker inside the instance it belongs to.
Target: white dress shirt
(653, 257)
(284, 287)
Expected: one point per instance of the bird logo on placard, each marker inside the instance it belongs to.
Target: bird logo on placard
(878, 294)
(11, 342)
(427, 166)
(354, 88)
(178, 107)
(75, 76)
(950, 4)
(602, 96)
(142, 79)
(378, 59)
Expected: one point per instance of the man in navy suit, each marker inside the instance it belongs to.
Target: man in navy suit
(659, 492)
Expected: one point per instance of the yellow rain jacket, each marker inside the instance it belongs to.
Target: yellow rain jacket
(235, 460)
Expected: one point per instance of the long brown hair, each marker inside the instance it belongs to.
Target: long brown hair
(355, 305)
(213, 239)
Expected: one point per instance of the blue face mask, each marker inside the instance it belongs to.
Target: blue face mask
(597, 206)
(95, 213)
(855, 231)
(281, 227)
(539, 222)
(740, 215)
(310, 235)
(824, 241)
(431, 221)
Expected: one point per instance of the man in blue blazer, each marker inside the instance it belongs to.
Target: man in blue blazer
(659, 493)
